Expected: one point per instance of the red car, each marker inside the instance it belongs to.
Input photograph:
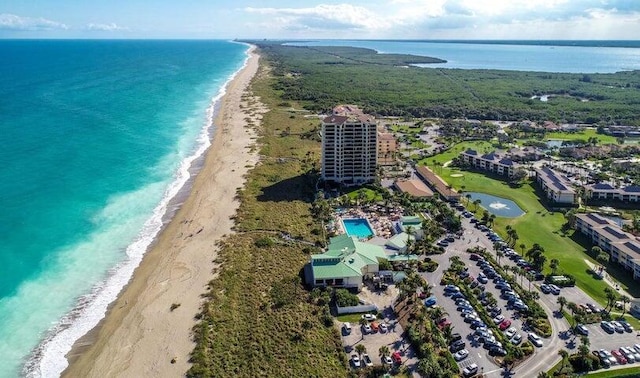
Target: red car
(505, 324)
(396, 357)
(619, 356)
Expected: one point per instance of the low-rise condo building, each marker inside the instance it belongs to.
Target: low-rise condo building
(492, 162)
(435, 182)
(555, 186)
(349, 147)
(607, 192)
(623, 247)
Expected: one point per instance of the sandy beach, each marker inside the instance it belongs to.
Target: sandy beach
(141, 334)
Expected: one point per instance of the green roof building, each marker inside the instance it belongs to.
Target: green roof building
(346, 263)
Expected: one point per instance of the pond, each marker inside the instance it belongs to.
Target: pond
(499, 206)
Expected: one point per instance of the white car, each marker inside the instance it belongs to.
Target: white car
(498, 319)
(470, 370)
(367, 360)
(510, 332)
(461, 355)
(369, 317)
(535, 339)
(516, 339)
(355, 360)
(383, 328)
(366, 329)
(387, 360)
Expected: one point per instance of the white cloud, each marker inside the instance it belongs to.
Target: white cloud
(18, 23)
(105, 27)
(323, 16)
(467, 19)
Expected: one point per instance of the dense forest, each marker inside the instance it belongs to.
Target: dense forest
(388, 85)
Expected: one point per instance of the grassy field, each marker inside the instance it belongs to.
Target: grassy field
(258, 320)
(584, 134)
(632, 372)
(537, 225)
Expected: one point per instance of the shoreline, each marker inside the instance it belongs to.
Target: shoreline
(143, 332)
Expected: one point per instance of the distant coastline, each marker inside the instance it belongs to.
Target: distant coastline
(532, 42)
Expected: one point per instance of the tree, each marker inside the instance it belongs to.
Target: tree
(611, 296)
(476, 203)
(523, 247)
(625, 299)
(562, 301)
(361, 349)
(492, 219)
(595, 251)
(553, 264)
(384, 351)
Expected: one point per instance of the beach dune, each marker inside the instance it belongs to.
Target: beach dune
(147, 331)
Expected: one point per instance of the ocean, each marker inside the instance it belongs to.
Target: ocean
(97, 138)
(541, 56)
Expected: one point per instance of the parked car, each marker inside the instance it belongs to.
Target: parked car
(367, 360)
(355, 360)
(368, 317)
(384, 328)
(497, 351)
(498, 319)
(535, 339)
(619, 357)
(461, 355)
(607, 326)
(386, 360)
(610, 357)
(455, 337)
(375, 326)
(628, 354)
(582, 330)
(346, 328)
(546, 289)
(617, 327)
(457, 346)
(554, 289)
(516, 339)
(604, 360)
(470, 370)
(396, 357)
(483, 279)
(366, 329)
(505, 324)
(510, 332)
(627, 327)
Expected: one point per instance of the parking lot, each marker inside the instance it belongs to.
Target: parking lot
(372, 341)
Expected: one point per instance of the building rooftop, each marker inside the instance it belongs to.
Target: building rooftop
(414, 187)
(554, 179)
(345, 256)
(436, 182)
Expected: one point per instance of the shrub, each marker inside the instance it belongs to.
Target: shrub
(264, 242)
(345, 298)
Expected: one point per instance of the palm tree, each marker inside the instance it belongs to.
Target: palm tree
(564, 355)
(553, 264)
(523, 247)
(499, 255)
(476, 203)
(625, 299)
(562, 301)
(361, 349)
(492, 218)
(384, 351)
(468, 197)
(612, 296)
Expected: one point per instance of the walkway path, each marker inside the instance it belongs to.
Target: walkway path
(607, 278)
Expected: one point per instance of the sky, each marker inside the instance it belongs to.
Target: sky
(304, 19)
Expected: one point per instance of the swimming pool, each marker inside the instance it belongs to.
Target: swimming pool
(358, 227)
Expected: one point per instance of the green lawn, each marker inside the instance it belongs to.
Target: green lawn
(538, 225)
(620, 373)
(585, 134)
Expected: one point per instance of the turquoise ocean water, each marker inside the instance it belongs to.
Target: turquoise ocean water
(541, 56)
(97, 137)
